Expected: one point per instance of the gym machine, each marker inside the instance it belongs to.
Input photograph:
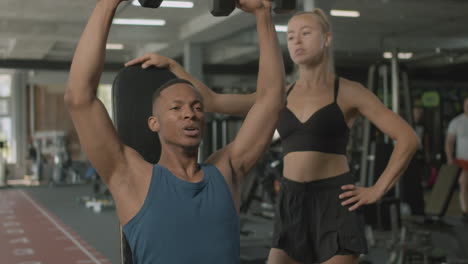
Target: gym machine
(388, 225)
(387, 82)
(51, 144)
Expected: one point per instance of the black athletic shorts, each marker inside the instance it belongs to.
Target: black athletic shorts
(312, 226)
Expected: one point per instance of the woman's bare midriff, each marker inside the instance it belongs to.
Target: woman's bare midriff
(311, 166)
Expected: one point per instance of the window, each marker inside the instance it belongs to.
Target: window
(104, 93)
(5, 85)
(4, 107)
(6, 136)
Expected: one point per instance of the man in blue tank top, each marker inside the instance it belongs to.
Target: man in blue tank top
(177, 211)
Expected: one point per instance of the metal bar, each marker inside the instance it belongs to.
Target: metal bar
(224, 133)
(366, 132)
(395, 98)
(214, 136)
(383, 70)
(407, 98)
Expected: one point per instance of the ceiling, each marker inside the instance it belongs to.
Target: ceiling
(436, 31)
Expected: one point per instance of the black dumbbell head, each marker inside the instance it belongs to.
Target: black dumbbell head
(285, 6)
(150, 3)
(222, 7)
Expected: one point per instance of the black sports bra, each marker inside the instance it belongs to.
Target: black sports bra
(325, 131)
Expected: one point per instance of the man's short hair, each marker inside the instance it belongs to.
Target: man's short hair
(171, 82)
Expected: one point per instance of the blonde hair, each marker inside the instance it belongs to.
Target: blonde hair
(320, 15)
(324, 22)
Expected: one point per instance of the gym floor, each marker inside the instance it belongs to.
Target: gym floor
(49, 225)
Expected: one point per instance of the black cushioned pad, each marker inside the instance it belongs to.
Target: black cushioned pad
(132, 94)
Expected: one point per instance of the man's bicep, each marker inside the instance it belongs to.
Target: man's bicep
(254, 136)
(98, 137)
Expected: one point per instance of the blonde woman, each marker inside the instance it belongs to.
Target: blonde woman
(318, 217)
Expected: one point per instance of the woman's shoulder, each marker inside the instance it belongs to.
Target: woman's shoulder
(350, 84)
(351, 89)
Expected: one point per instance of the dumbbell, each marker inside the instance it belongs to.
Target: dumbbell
(150, 3)
(225, 7)
(284, 6)
(222, 7)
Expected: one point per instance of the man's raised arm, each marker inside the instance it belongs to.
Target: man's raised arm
(95, 130)
(259, 125)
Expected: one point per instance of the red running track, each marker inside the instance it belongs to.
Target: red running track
(30, 234)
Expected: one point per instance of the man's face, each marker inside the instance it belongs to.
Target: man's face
(178, 116)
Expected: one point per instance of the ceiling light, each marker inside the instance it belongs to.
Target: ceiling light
(139, 22)
(175, 4)
(281, 28)
(345, 13)
(114, 46)
(387, 55)
(401, 55)
(405, 55)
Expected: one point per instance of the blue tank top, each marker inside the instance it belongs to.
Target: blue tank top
(182, 222)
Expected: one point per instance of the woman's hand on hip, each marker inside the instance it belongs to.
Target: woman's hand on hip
(359, 196)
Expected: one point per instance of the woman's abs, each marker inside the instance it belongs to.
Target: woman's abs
(311, 166)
